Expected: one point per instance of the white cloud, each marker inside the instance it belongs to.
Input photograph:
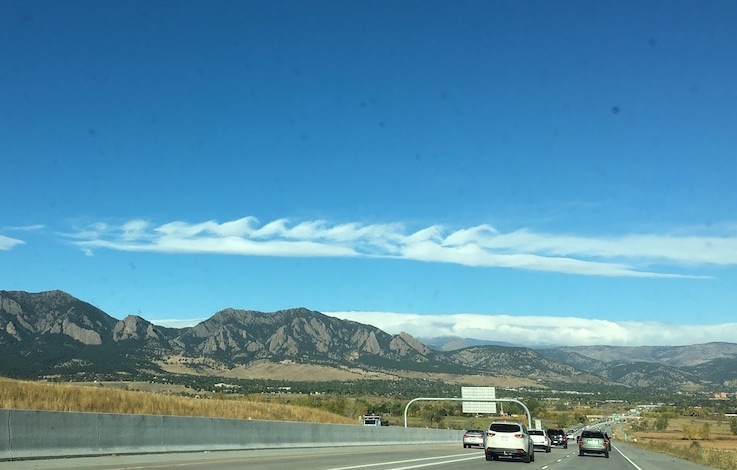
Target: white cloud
(543, 330)
(624, 255)
(7, 243)
(177, 323)
(133, 230)
(27, 228)
(656, 248)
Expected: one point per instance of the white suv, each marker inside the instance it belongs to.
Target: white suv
(508, 439)
(540, 439)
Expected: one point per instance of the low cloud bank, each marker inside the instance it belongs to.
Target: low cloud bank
(542, 330)
(529, 330)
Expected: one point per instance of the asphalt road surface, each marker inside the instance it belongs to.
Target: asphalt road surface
(431, 457)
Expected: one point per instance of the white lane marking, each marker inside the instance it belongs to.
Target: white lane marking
(434, 463)
(427, 464)
(628, 459)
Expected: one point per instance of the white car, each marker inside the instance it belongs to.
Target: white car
(540, 439)
(506, 439)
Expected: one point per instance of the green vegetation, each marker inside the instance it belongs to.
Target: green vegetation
(661, 422)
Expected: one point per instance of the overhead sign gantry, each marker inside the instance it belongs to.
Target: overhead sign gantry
(512, 400)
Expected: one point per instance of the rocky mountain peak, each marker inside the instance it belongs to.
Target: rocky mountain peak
(414, 343)
(134, 327)
(23, 315)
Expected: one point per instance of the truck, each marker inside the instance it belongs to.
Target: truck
(373, 420)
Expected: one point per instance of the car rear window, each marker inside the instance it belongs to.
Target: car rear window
(536, 432)
(504, 427)
(594, 434)
(555, 431)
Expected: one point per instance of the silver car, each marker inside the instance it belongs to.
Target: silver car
(593, 442)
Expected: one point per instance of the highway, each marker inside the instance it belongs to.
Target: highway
(433, 457)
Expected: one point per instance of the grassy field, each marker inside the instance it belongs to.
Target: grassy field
(27, 395)
(706, 441)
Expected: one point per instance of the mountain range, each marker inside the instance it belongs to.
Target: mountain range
(53, 334)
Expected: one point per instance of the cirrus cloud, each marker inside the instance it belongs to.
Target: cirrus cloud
(7, 243)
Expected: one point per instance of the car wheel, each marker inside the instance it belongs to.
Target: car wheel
(580, 453)
(489, 458)
(565, 446)
(547, 450)
(527, 458)
(606, 454)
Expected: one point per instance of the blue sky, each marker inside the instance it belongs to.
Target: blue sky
(524, 171)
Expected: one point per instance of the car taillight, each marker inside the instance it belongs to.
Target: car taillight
(580, 443)
(606, 442)
(490, 434)
(519, 436)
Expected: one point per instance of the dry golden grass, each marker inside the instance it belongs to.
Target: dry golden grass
(27, 395)
(719, 450)
(720, 434)
(695, 452)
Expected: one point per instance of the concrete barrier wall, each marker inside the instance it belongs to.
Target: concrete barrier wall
(4, 435)
(43, 434)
